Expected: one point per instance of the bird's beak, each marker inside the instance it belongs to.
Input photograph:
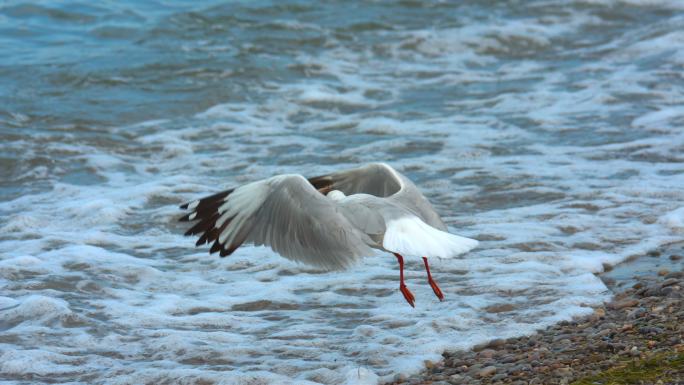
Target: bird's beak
(325, 190)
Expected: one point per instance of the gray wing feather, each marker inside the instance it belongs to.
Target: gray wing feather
(382, 180)
(299, 223)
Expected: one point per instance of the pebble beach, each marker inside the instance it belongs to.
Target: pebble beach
(636, 338)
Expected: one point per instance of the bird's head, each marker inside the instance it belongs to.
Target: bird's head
(336, 195)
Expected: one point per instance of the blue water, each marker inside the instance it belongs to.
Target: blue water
(552, 131)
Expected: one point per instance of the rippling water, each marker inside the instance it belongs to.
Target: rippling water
(552, 131)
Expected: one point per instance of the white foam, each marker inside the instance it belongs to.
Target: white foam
(361, 376)
(37, 362)
(327, 95)
(674, 219)
(36, 309)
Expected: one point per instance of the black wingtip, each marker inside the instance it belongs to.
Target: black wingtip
(184, 206)
(230, 250)
(215, 247)
(202, 240)
(185, 218)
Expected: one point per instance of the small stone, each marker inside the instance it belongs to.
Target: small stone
(489, 362)
(559, 337)
(636, 313)
(625, 303)
(486, 372)
(675, 257)
(617, 346)
(473, 370)
(608, 325)
(626, 327)
(601, 333)
(600, 312)
(651, 344)
(508, 359)
(634, 352)
(583, 325)
(497, 377)
(515, 369)
(650, 330)
(663, 272)
(480, 347)
(496, 343)
(669, 282)
(653, 291)
(487, 353)
(563, 372)
(457, 378)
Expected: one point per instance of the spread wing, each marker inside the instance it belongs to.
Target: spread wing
(381, 180)
(284, 212)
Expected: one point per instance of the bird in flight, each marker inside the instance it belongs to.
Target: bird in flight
(329, 221)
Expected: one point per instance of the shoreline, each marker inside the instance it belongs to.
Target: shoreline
(636, 338)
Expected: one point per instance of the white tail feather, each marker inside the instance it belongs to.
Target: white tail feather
(410, 236)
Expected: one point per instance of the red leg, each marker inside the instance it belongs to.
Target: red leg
(432, 282)
(402, 287)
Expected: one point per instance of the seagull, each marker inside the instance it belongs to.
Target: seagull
(329, 221)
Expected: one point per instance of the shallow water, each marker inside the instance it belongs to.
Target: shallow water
(549, 130)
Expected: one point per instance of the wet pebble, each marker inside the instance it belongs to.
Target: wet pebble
(507, 359)
(636, 313)
(486, 371)
(625, 303)
(650, 330)
(487, 353)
